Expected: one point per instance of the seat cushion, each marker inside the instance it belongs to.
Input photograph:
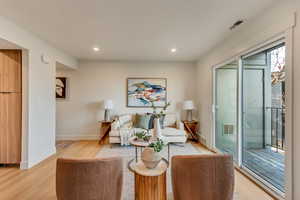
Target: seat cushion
(172, 132)
(175, 139)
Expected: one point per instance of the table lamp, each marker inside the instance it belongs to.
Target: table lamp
(108, 106)
(189, 107)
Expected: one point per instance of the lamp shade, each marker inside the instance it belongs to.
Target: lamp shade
(108, 104)
(188, 105)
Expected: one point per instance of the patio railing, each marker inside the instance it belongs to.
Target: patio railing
(277, 127)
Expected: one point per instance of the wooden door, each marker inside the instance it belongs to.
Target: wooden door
(10, 70)
(10, 106)
(10, 128)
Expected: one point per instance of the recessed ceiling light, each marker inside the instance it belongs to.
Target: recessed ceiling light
(96, 49)
(173, 50)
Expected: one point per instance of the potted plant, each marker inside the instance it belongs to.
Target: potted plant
(139, 136)
(151, 154)
(158, 117)
(162, 113)
(142, 136)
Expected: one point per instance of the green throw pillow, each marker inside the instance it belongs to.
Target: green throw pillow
(142, 121)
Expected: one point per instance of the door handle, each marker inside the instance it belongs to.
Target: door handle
(6, 92)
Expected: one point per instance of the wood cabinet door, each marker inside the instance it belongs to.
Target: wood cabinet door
(10, 128)
(10, 70)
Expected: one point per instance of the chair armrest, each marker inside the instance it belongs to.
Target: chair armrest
(179, 125)
(115, 125)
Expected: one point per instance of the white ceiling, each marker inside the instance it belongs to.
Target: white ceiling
(132, 29)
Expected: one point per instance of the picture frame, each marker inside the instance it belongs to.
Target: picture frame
(61, 88)
(142, 91)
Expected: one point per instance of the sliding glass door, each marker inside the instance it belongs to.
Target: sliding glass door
(263, 115)
(250, 114)
(226, 108)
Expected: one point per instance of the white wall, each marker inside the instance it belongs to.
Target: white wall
(274, 21)
(264, 27)
(39, 90)
(296, 101)
(95, 81)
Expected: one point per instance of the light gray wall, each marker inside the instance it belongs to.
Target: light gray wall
(38, 91)
(93, 82)
(296, 104)
(272, 22)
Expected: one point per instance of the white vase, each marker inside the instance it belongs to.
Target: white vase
(157, 129)
(150, 158)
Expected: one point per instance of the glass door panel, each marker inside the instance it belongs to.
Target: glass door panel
(226, 108)
(263, 115)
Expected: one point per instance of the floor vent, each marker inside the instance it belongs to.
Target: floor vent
(228, 129)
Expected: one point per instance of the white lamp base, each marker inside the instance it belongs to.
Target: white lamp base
(107, 115)
(189, 115)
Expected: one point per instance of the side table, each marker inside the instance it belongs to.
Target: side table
(191, 127)
(105, 128)
(149, 184)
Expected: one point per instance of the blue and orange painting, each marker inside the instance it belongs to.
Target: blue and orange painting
(141, 92)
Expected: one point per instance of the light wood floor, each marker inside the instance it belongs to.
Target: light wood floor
(38, 183)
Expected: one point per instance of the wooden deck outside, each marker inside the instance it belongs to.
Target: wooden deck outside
(266, 163)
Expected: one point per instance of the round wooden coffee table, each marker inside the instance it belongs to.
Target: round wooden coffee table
(150, 184)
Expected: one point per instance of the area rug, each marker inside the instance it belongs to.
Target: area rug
(128, 153)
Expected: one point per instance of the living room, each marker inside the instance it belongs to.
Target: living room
(149, 100)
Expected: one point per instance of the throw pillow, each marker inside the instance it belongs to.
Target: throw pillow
(127, 125)
(142, 121)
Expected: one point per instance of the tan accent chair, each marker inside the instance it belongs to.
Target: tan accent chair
(89, 179)
(203, 177)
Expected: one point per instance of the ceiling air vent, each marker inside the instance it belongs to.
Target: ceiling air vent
(236, 24)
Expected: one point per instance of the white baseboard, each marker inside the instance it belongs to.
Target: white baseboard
(24, 165)
(41, 158)
(77, 137)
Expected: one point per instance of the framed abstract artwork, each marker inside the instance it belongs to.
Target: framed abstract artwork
(61, 87)
(142, 91)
